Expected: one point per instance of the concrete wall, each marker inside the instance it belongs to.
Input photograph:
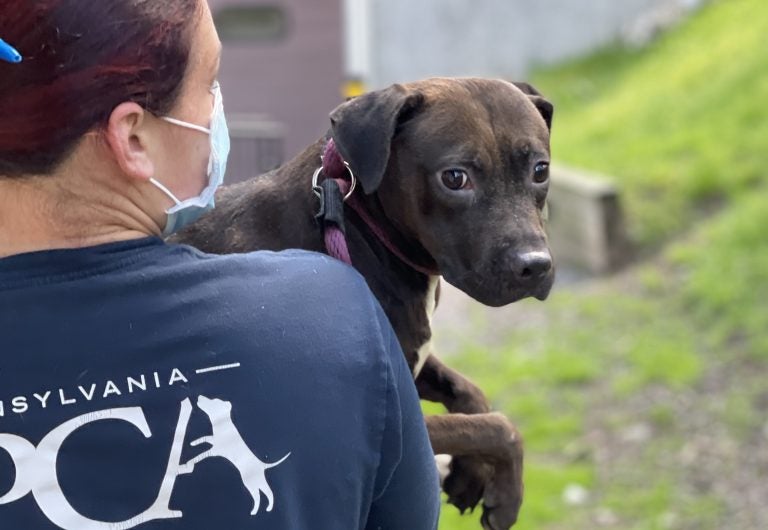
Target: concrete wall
(412, 39)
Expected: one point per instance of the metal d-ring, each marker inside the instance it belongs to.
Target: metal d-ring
(352, 186)
(315, 187)
(354, 182)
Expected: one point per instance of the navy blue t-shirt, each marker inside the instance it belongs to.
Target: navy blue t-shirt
(151, 386)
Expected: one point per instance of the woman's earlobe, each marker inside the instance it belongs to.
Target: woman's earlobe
(127, 138)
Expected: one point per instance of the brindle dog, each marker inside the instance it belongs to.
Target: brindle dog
(455, 171)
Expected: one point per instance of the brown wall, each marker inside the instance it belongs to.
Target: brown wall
(295, 80)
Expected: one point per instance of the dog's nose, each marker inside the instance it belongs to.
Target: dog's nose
(530, 267)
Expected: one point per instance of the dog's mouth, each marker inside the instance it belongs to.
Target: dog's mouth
(496, 291)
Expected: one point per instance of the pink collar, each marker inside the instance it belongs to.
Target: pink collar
(335, 168)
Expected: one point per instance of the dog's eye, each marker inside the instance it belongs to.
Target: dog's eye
(541, 173)
(455, 179)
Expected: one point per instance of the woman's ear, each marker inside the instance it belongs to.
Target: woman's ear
(127, 137)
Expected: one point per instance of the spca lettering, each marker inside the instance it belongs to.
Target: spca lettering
(36, 466)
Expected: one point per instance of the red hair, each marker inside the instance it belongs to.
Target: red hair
(81, 59)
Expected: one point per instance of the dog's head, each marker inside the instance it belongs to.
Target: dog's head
(214, 406)
(462, 166)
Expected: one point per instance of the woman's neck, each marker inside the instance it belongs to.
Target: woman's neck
(48, 212)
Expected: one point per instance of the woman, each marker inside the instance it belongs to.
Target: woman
(149, 385)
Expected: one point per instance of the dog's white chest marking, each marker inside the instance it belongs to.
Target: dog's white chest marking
(429, 307)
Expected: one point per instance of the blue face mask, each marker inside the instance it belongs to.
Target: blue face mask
(186, 212)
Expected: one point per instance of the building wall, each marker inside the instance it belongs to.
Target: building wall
(293, 81)
(492, 38)
(278, 92)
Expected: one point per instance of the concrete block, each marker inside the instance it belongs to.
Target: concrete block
(586, 226)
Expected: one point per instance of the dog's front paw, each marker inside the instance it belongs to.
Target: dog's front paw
(499, 518)
(466, 481)
(503, 496)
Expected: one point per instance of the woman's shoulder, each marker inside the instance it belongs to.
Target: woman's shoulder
(306, 312)
(294, 269)
(306, 294)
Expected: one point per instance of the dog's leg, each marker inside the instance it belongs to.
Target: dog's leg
(491, 437)
(439, 383)
(467, 475)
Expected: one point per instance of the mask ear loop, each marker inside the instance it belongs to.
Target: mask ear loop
(217, 101)
(186, 125)
(165, 190)
(216, 91)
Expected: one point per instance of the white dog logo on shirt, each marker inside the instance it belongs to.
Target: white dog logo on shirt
(227, 443)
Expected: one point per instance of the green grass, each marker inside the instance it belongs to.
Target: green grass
(679, 124)
(725, 267)
(682, 126)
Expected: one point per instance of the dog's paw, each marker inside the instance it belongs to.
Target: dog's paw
(502, 499)
(466, 482)
(443, 463)
(498, 519)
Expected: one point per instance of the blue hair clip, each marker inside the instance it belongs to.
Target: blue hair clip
(8, 53)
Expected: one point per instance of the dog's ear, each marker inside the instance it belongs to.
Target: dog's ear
(363, 129)
(546, 109)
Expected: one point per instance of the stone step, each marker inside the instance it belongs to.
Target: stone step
(585, 221)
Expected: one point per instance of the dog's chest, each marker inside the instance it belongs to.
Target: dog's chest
(430, 303)
(409, 307)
